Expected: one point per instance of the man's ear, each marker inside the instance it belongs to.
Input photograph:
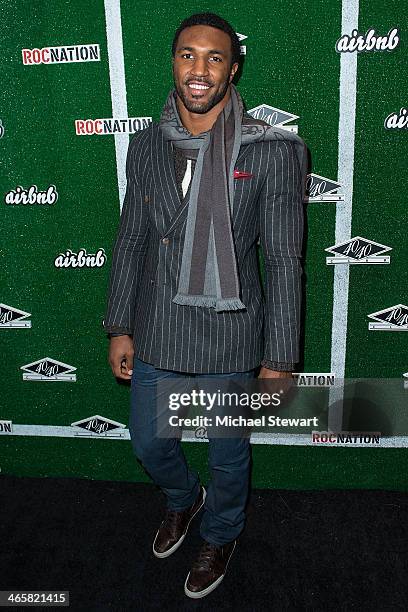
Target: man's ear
(234, 68)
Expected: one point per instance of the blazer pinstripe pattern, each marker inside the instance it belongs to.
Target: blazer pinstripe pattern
(147, 258)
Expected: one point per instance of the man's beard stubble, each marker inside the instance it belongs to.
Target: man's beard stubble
(199, 107)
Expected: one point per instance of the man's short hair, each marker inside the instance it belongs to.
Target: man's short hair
(215, 21)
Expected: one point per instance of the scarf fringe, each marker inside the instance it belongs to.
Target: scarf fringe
(209, 302)
(229, 304)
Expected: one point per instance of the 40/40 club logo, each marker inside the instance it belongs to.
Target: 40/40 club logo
(394, 318)
(13, 317)
(243, 48)
(358, 250)
(48, 369)
(321, 189)
(99, 426)
(274, 116)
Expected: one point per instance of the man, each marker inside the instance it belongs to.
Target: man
(185, 296)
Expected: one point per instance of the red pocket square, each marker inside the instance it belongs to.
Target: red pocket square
(240, 174)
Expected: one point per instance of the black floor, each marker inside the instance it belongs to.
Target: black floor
(313, 550)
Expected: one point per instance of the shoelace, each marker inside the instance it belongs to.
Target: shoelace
(206, 555)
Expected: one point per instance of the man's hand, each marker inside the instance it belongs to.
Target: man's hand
(121, 354)
(267, 373)
(279, 385)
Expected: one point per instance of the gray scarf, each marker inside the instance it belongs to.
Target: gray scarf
(209, 274)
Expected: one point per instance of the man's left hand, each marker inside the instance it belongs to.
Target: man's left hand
(267, 373)
(283, 381)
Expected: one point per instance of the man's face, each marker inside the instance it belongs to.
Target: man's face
(202, 68)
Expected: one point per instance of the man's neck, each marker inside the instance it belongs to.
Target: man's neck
(197, 123)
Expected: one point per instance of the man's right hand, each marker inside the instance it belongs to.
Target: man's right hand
(121, 354)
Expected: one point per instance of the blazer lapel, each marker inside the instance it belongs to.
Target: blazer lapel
(181, 212)
(245, 150)
(164, 176)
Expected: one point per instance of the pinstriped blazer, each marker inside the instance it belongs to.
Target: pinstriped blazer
(147, 257)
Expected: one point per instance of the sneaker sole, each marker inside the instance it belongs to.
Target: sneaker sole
(179, 542)
(211, 587)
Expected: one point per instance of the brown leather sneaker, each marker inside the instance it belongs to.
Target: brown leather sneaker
(173, 528)
(208, 570)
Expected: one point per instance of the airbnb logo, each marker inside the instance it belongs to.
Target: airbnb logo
(82, 259)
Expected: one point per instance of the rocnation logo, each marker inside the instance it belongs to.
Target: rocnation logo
(394, 318)
(243, 47)
(48, 369)
(321, 189)
(397, 121)
(99, 426)
(367, 42)
(358, 250)
(31, 195)
(13, 317)
(346, 437)
(61, 55)
(1, 129)
(312, 379)
(87, 127)
(80, 259)
(6, 427)
(274, 116)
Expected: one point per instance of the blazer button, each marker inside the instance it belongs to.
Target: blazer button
(165, 240)
(146, 199)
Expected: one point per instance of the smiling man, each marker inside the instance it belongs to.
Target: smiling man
(185, 295)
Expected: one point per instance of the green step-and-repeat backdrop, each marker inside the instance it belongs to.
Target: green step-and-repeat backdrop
(78, 79)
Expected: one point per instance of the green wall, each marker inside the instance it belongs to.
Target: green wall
(291, 63)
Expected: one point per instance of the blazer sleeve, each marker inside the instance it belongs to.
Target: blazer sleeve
(281, 237)
(128, 253)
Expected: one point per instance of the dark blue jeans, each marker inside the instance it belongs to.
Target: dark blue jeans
(164, 460)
